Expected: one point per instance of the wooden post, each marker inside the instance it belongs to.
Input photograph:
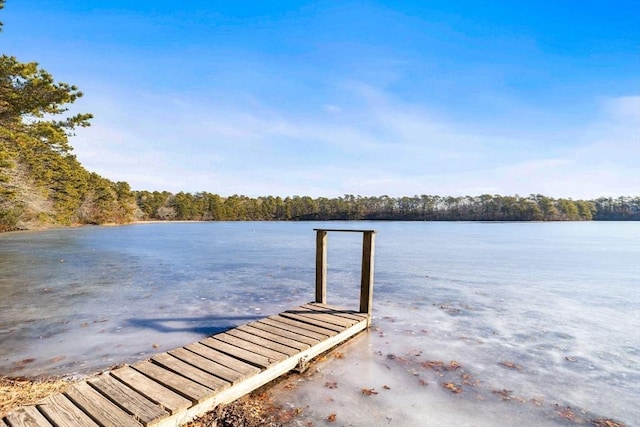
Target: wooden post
(321, 266)
(366, 278)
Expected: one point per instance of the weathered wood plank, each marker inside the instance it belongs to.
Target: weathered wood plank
(99, 408)
(223, 359)
(324, 316)
(63, 413)
(251, 346)
(26, 416)
(349, 314)
(286, 333)
(289, 342)
(304, 325)
(247, 356)
(256, 339)
(209, 366)
(295, 328)
(336, 308)
(150, 389)
(181, 385)
(313, 320)
(176, 365)
(141, 408)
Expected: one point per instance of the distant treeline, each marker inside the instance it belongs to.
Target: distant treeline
(212, 207)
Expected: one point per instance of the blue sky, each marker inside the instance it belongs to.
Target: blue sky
(329, 98)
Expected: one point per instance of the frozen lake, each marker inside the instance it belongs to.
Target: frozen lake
(474, 323)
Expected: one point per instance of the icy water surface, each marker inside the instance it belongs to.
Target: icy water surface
(475, 324)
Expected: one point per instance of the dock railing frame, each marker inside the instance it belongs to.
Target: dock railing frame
(366, 277)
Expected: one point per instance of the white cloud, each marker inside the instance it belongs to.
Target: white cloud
(379, 145)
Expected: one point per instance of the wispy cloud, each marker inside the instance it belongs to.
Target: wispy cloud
(379, 145)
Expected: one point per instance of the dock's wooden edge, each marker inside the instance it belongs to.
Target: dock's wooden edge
(184, 396)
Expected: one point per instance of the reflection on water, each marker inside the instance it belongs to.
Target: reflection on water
(474, 323)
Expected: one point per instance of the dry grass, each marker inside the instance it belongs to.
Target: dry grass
(15, 392)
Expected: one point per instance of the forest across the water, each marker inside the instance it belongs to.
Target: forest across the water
(212, 207)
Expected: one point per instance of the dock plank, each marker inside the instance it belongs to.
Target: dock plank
(294, 344)
(310, 320)
(324, 316)
(63, 413)
(99, 408)
(263, 342)
(324, 320)
(26, 416)
(361, 315)
(324, 332)
(223, 359)
(184, 369)
(134, 403)
(349, 314)
(207, 365)
(240, 353)
(286, 333)
(252, 346)
(150, 389)
(183, 386)
(297, 328)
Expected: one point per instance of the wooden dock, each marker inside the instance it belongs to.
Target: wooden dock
(172, 388)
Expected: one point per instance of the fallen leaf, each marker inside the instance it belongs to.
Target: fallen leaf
(368, 391)
(467, 379)
(24, 362)
(510, 365)
(565, 412)
(504, 393)
(605, 422)
(453, 387)
(453, 365)
(436, 365)
(536, 402)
